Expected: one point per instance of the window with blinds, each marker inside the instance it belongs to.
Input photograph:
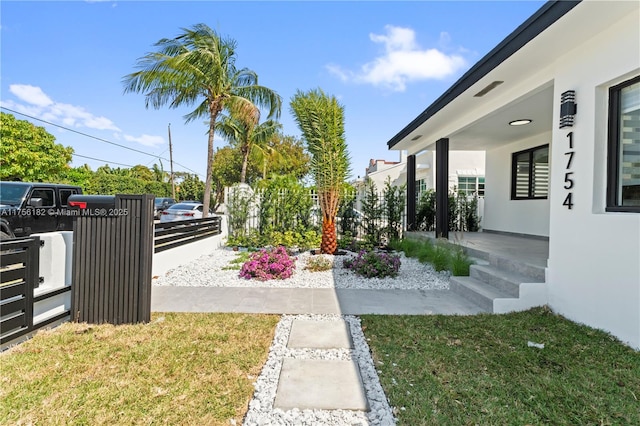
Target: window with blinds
(530, 174)
(623, 190)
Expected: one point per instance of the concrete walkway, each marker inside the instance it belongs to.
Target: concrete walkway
(262, 300)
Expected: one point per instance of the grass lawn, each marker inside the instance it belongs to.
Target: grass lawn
(178, 369)
(454, 370)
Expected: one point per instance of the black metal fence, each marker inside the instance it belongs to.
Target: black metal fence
(112, 259)
(174, 234)
(19, 277)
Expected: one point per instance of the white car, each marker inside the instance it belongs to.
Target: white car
(182, 211)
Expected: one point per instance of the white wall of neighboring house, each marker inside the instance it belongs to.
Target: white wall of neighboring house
(461, 163)
(501, 213)
(594, 256)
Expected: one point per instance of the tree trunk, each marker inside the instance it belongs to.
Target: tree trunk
(245, 162)
(208, 179)
(329, 244)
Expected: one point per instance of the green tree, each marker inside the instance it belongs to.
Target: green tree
(283, 155)
(321, 120)
(80, 176)
(246, 134)
(198, 68)
(29, 153)
(191, 188)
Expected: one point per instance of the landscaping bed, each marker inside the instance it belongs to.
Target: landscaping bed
(214, 271)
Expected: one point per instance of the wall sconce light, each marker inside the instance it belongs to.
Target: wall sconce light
(568, 108)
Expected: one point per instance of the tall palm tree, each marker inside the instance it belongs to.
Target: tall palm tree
(246, 134)
(321, 120)
(198, 68)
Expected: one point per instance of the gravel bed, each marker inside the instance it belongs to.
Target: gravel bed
(208, 271)
(261, 411)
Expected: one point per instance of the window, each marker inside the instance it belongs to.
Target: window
(530, 174)
(65, 194)
(421, 186)
(623, 169)
(46, 195)
(470, 185)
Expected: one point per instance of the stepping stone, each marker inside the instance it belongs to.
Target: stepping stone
(320, 384)
(319, 335)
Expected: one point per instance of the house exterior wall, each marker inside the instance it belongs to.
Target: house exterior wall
(501, 213)
(594, 256)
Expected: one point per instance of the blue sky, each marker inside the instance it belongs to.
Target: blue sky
(385, 61)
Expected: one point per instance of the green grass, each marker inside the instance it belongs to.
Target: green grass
(479, 370)
(443, 256)
(179, 369)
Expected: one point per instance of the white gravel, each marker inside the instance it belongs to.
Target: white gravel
(208, 271)
(261, 411)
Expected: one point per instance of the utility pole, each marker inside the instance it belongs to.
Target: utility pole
(173, 184)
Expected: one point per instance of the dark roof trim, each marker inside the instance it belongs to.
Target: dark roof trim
(549, 13)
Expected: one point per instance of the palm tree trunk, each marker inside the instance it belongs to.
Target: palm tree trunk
(329, 244)
(245, 162)
(208, 180)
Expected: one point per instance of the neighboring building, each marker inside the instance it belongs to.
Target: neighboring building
(466, 171)
(566, 173)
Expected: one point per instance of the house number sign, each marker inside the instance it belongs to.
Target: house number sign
(568, 175)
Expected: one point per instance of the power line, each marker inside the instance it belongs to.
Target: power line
(104, 161)
(98, 139)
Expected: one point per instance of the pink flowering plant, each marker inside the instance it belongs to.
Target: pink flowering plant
(268, 264)
(371, 264)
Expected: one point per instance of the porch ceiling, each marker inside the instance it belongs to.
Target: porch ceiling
(493, 130)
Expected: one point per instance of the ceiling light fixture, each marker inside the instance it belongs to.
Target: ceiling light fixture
(520, 122)
(416, 137)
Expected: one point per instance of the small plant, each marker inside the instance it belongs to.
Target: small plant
(460, 263)
(268, 264)
(442, 255)
(236, 263)
(441, 258)
(371, 264)
(318, 264)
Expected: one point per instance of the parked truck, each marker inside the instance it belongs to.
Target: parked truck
(27, 208)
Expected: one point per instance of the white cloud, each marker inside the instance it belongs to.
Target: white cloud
(30, 94)
(36, 103)
(403, 61)
(147, 140)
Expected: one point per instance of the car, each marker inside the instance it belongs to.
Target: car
(35, 207)
(182, 211)
(161, 204)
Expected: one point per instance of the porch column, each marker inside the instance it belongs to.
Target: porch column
(411, 193)
(442, 188)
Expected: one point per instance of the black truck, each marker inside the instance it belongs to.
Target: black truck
(27, 208)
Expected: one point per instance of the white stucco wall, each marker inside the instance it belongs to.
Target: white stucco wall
(529, 217)
(594, 256)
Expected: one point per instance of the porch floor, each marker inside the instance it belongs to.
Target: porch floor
(531, 250)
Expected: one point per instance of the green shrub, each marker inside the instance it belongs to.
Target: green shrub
(460, 263)
(441, 259)
(318, 264)
(371, 264)
(443, 255)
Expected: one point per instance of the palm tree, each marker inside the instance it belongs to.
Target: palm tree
(198, 68)
(246, 134)
(321, 120)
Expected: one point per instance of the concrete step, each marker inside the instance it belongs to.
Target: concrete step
(506, 281)
(477, 291)
(535, 273)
